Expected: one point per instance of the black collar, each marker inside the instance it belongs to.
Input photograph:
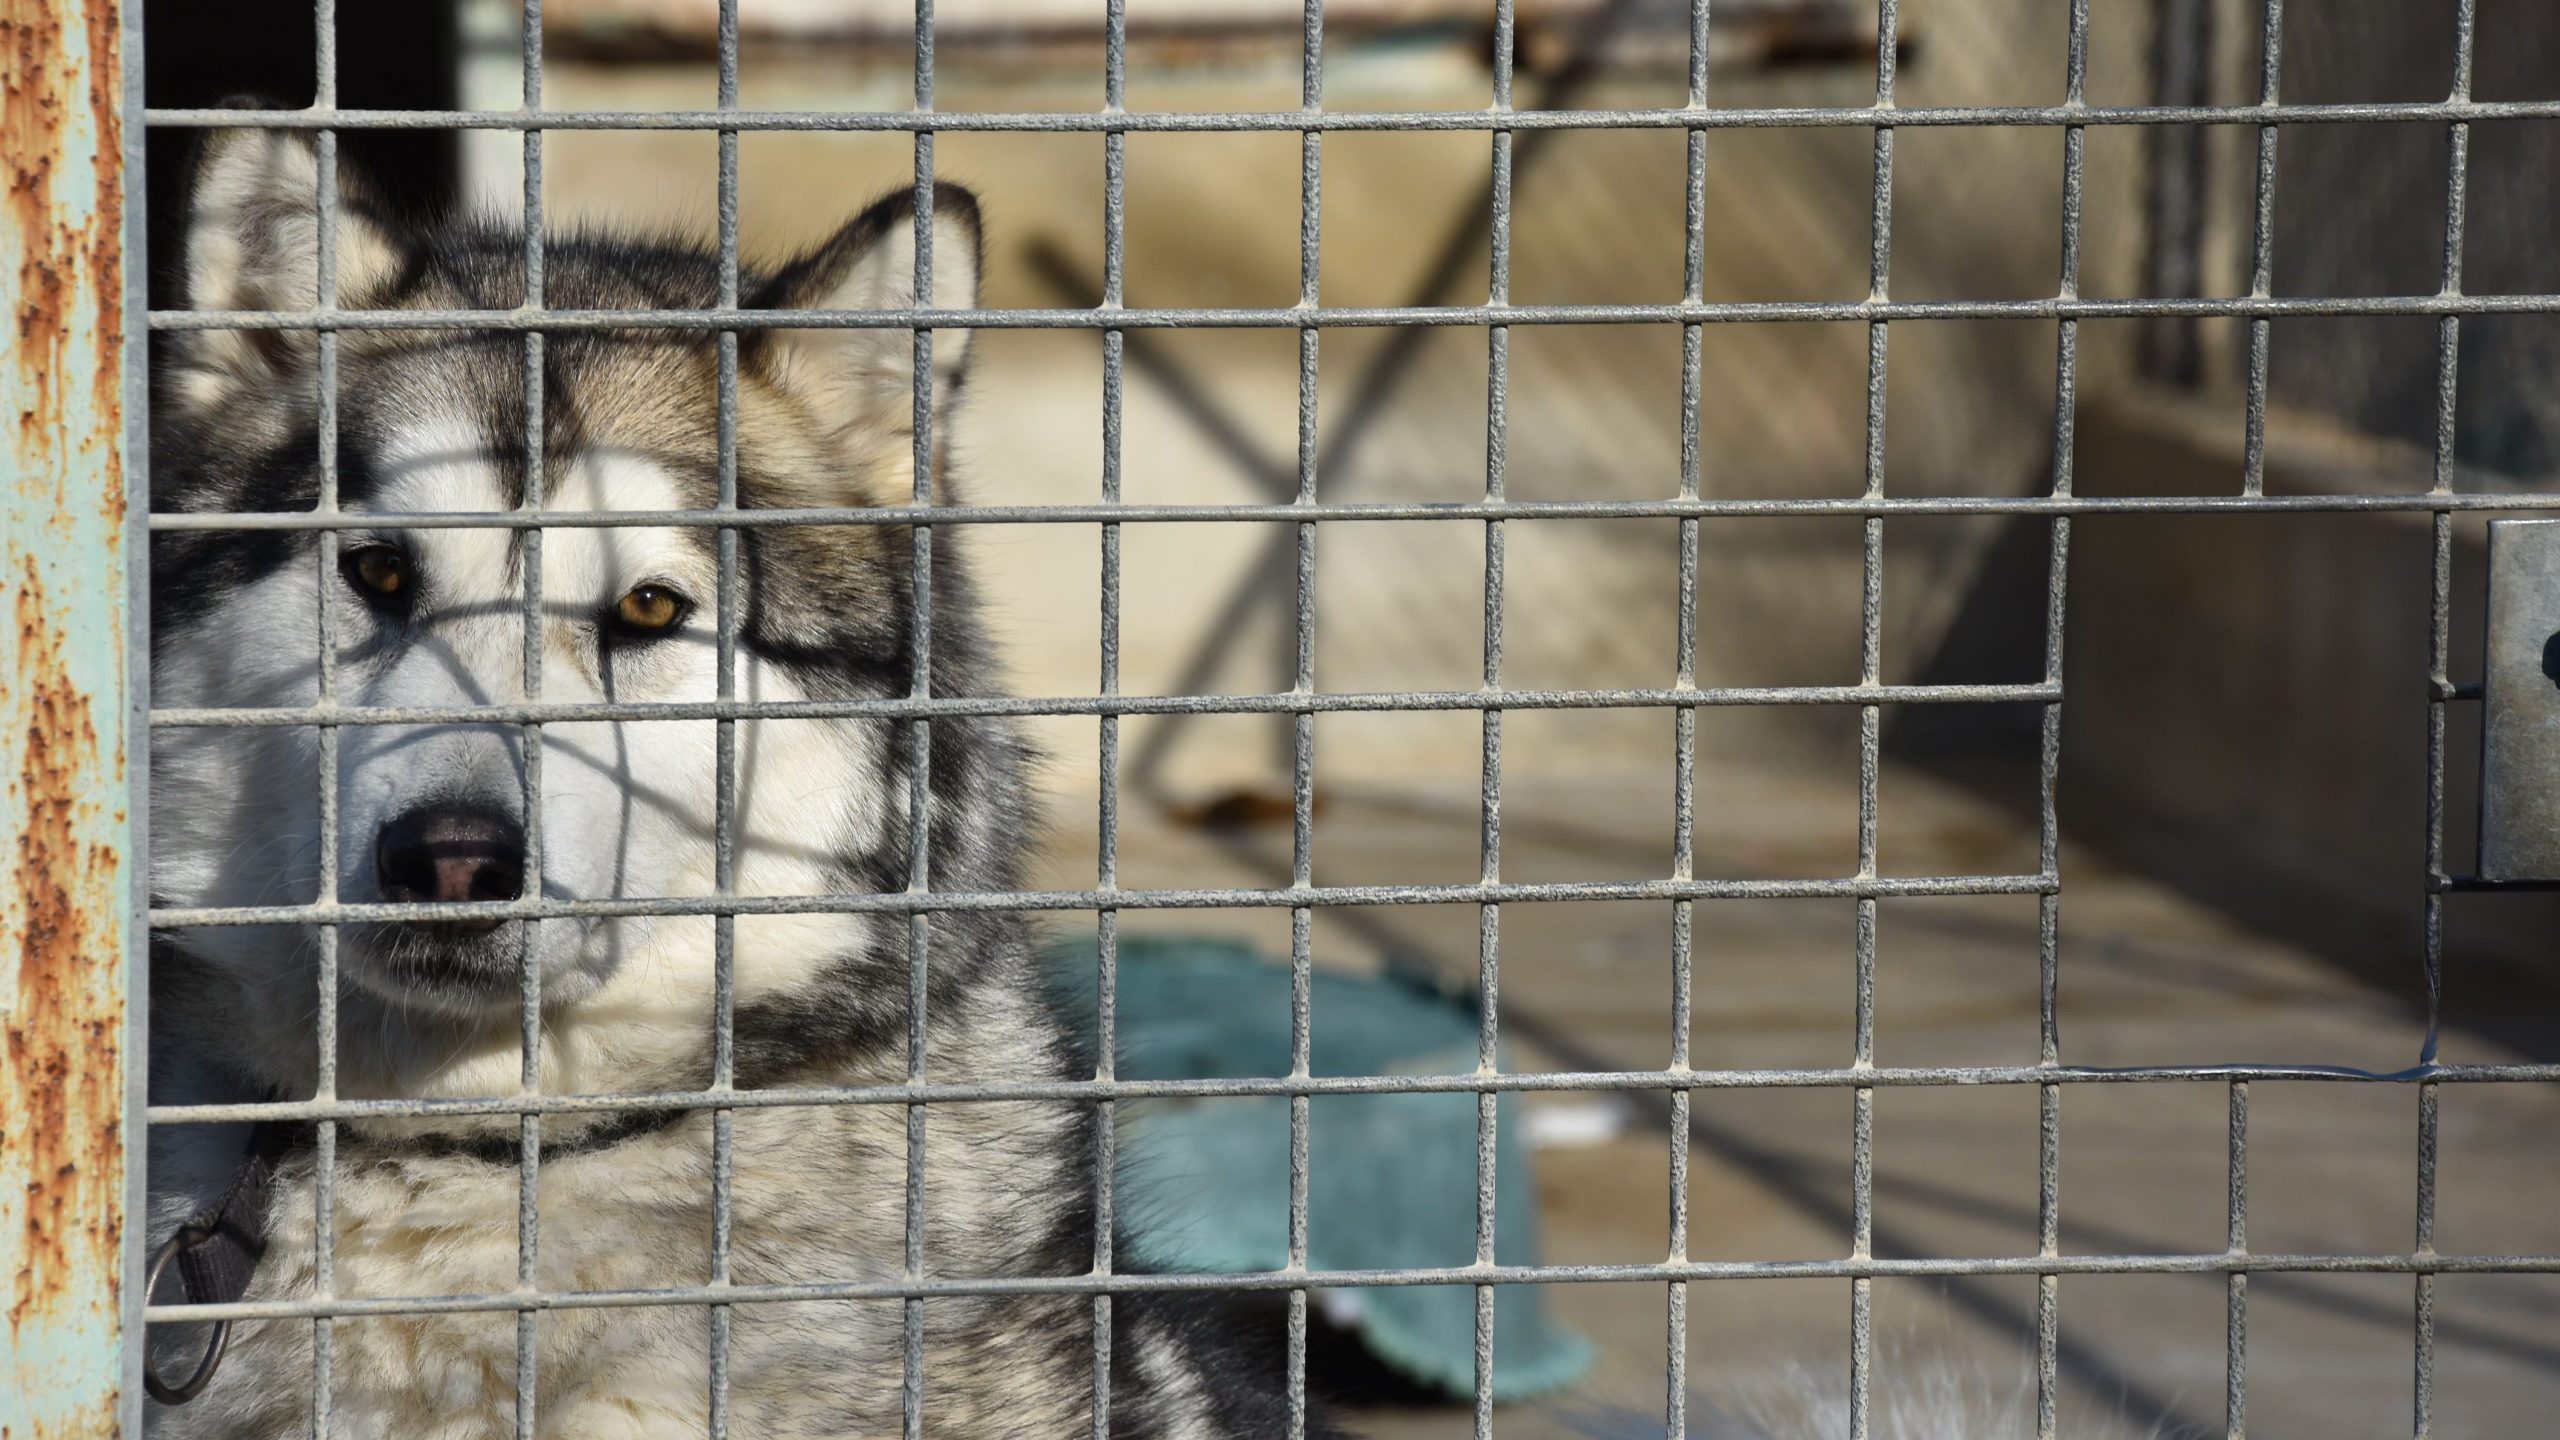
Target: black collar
(508, 1151)
(218, 1249)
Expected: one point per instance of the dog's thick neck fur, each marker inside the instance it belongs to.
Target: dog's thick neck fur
(434, 421)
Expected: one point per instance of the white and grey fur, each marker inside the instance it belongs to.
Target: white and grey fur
(433, 421)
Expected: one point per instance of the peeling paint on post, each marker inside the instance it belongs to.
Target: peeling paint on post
(66, 903)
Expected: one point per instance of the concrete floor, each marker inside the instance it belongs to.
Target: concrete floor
(2147, 978)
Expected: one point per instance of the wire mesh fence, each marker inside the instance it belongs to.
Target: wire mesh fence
(1298, 514)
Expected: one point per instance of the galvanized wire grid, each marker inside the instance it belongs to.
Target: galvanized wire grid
(1301, 896)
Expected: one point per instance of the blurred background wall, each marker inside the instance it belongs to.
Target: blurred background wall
(1594, 411)
(2214, 770)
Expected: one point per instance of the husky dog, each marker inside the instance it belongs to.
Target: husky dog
(434, 421)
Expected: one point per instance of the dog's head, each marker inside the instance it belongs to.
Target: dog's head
(426, 615)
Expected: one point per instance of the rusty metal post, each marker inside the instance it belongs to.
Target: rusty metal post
(69, 886)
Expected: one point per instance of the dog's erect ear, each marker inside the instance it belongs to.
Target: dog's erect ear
(253, 243)
(253, 226)
(865, 379)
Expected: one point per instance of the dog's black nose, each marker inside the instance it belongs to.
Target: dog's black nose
(448, 854)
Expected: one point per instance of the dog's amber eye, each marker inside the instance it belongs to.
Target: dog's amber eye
(649, 609)
(378, 570)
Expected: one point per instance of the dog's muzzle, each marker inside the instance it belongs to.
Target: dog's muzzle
(447, 855)
(439, 855)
